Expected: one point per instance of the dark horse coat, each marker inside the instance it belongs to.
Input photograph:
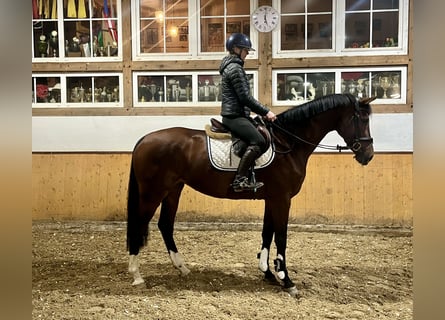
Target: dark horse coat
(165, 160)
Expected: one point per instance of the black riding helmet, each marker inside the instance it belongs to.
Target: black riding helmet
(238, 40)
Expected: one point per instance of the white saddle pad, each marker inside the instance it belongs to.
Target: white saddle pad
(222, 157)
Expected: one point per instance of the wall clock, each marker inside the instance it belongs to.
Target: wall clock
(265, 18)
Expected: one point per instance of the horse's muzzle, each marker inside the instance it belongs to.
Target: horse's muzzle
(364, 155)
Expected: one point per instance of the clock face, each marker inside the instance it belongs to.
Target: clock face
(265, 18)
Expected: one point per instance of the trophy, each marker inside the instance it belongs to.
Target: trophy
(43, 46)
(153, 92)
(161, 94)
(216, 90)
(396, 87)
(366, 88)
(351, 87)
(360, 88)
(385, 83)
(115, 94)
(206, 89)
(95, 45)
(376, 84)
(54, 43)
(174, 86)
(88, 95)
(343, 86)
(188, 91)
(177, 91)
(103, 94)
(324, 88)
(81, 92)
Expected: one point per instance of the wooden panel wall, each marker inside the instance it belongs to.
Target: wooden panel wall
(337, 190)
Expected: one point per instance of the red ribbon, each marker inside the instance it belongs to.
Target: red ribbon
(35, 10)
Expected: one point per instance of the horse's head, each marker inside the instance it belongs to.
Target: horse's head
(355, 131)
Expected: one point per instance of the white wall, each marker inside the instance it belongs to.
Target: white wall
(391, 132)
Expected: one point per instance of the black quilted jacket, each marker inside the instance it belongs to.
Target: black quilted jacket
(236, 98)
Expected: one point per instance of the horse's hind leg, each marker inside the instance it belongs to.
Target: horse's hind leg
(166, 226)
(146, 212)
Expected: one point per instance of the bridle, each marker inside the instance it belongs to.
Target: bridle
(356, 143)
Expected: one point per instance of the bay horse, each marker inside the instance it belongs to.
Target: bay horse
(164, 161)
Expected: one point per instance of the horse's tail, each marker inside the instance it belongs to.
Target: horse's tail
(136, 234)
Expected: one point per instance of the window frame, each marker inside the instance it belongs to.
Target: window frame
(194, 35)
(64, 91)
(61, 37)
(338, 42)
(195, 87)
(338, 71)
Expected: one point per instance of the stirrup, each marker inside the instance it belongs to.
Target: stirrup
(243, 184)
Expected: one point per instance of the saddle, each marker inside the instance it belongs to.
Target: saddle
(225, 150)
(219, 129)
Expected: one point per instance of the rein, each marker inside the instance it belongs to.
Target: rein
(356, 145)
(320, 145)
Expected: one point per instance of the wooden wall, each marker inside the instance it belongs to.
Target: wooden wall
(337, 190)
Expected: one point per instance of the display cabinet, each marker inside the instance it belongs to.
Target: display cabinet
(181, 88)
(77, 90)
(388, 84)
(76, 30)
(150, 54)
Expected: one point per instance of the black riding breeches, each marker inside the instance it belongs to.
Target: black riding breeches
(245, 130)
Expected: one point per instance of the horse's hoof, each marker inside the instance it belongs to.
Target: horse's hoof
(138, 281)
(184, 270)
(293, 292)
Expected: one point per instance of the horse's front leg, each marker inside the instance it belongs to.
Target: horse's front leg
(280, 218)
(267, 236)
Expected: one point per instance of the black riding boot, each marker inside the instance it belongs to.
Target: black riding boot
(241, 182)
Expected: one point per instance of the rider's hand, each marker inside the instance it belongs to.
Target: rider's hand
(270, 116)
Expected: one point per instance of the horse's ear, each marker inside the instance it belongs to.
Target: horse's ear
(367, 100)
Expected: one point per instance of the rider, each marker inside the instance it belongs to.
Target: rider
(237, 102)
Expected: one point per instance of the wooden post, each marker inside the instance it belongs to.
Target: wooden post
(126, 53)
(265, 63)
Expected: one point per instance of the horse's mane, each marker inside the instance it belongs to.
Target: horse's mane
(314, 107)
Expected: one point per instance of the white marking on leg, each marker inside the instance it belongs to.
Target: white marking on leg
(178, 262)
(280, 274)
(264, 255)
(133, 268)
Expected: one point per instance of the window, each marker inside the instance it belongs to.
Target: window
(77, 90)
(185, 29)
(76, 30)
(388, 84)
(346, 27)
(306, 25)
(163, 26)
(218, 24)
(371, 23)
(46, 89)
(179, 88)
